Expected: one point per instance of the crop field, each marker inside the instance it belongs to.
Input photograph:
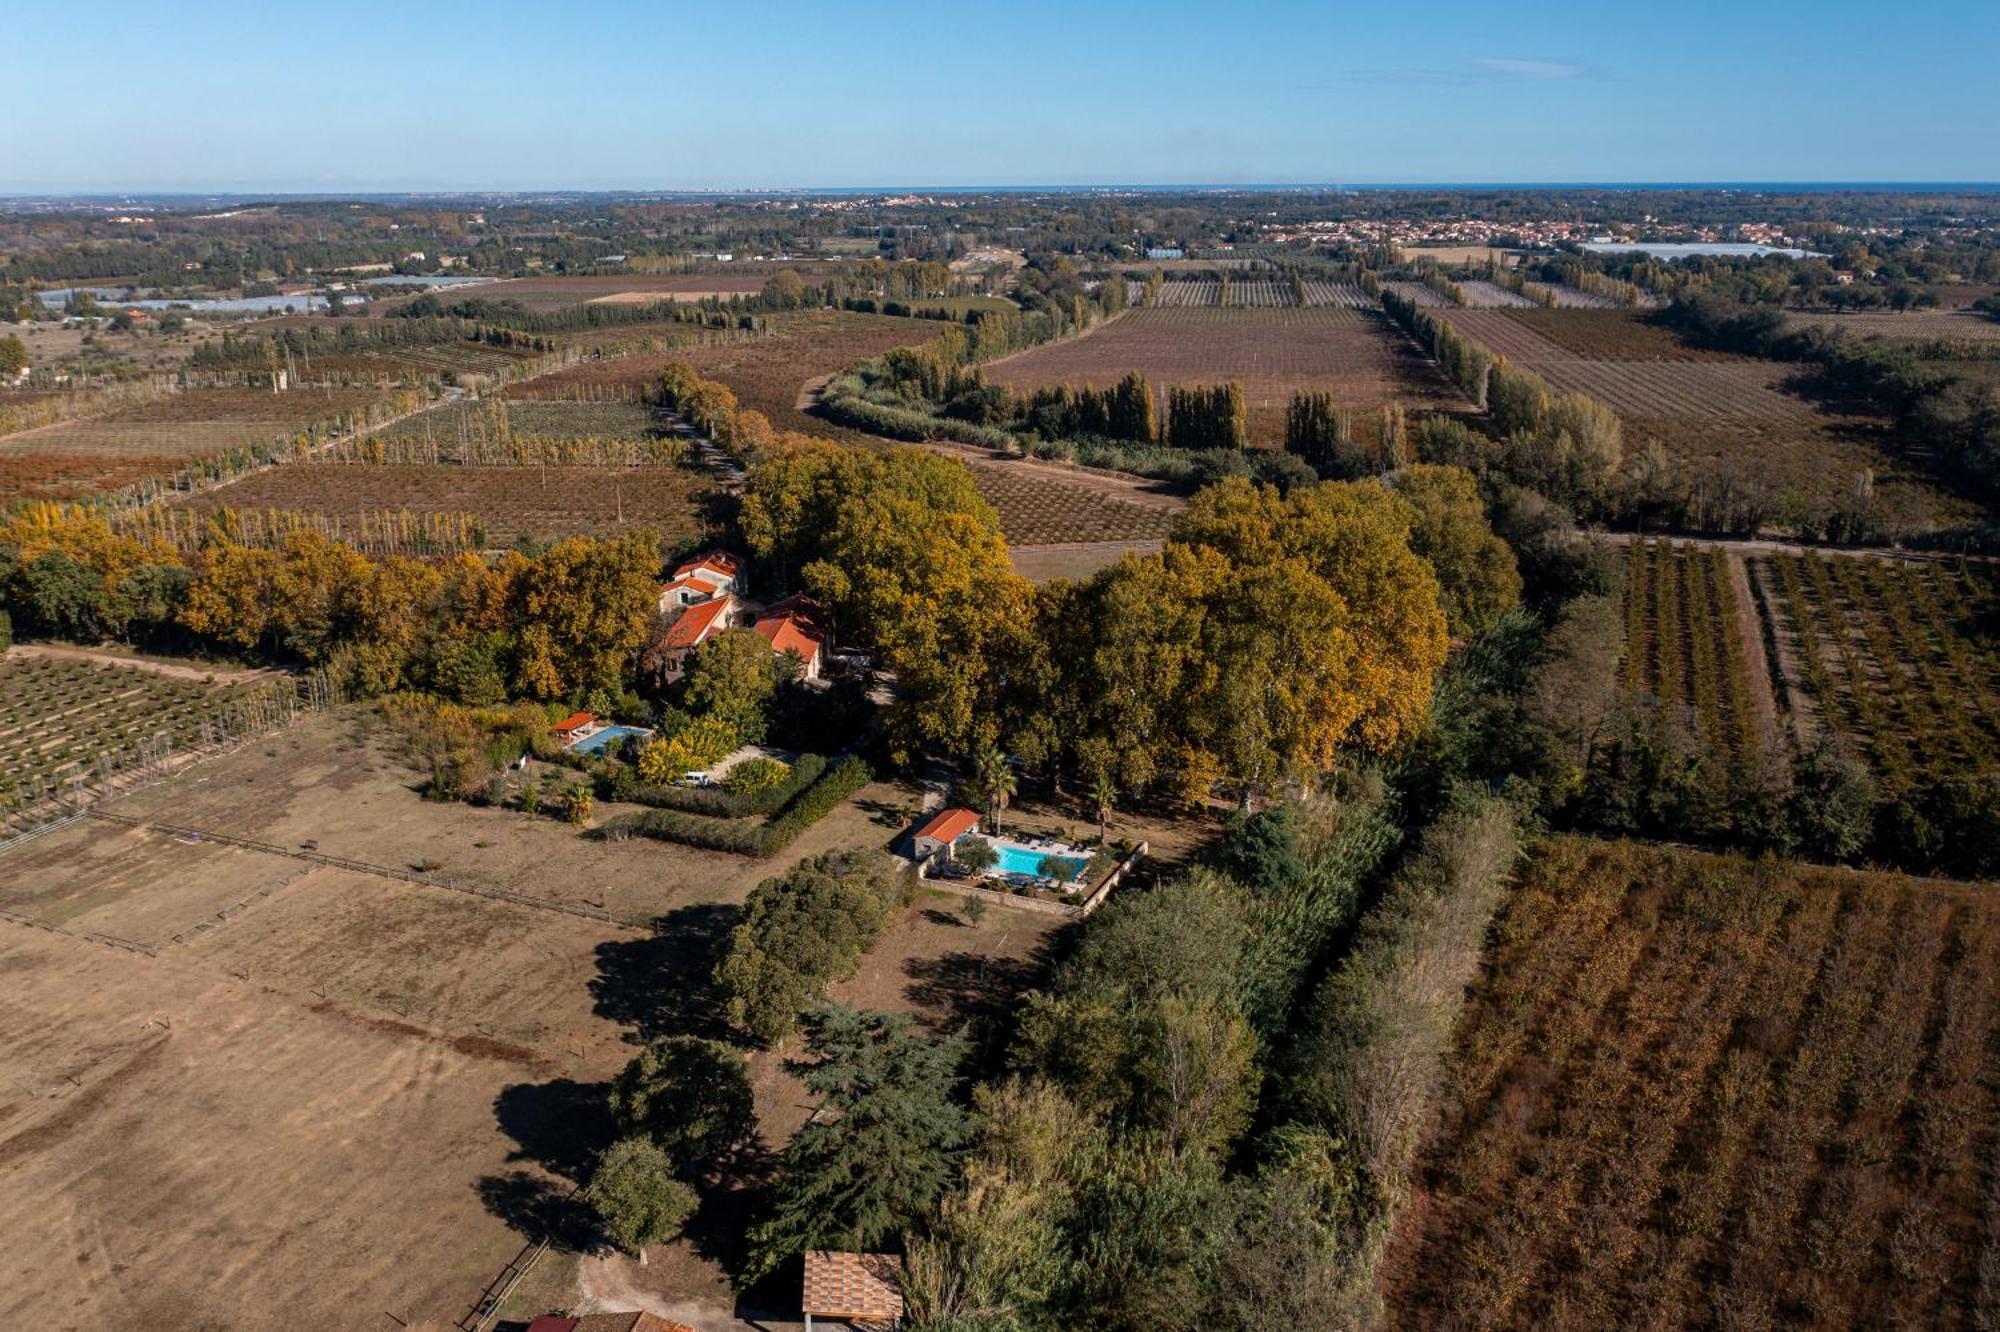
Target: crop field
(1352, 354)
(1899, 657)
(1569, 298)
(556, 292)
(452, 423)
(1723, 421)
(1700, 1091)
(1419, 293)
(1610, 356)
(1483, 295)
(507, 503)
(1908, 326)
(1693, 641)
(62, 718)
(1345, 294)
(158, 434)
(767, 373)
(1036, 510)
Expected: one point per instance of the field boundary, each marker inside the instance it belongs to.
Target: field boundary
(379, 871)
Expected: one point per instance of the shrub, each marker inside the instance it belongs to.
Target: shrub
(718, 834)
(695, 746)
(721, 802)
(756, 776)
(842, 780)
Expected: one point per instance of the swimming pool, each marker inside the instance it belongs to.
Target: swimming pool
(595, 744)
(1026, 860)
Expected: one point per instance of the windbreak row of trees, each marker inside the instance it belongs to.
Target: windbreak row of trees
(552, 627)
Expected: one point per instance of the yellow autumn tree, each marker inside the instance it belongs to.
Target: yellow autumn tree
(908, 559)
(1270, 633)
(582, 610)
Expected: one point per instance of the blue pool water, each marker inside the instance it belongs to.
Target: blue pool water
(596, 743)
(1023, 860)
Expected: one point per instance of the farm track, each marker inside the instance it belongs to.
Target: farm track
(1746, 546)
(171, 669)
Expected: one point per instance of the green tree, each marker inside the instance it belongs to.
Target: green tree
(1478, 581)
(1261, 850)
(974, 853)
(731, 677)
(1103, 794)
(1831, 808)
(638, 1195)
(65, 596)
(689, 1096)
(994, 778)
(800, 931)
(13, 356)
(882, 1146)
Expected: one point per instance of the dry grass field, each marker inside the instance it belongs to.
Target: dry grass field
(327, 1097)
(1698, 1091)
(1352, 354)
(507, 502)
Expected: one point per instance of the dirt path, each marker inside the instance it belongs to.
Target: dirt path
(1799, 709)
(1750, 633)
(1747, 546)
(171, 669)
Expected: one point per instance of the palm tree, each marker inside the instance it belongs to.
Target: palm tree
(995, 780)
(1105, 792)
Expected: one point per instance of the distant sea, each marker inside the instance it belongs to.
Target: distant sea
(1266, 187)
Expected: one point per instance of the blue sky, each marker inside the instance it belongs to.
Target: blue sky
(371, 96)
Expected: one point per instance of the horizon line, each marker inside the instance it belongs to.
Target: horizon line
(235, 191)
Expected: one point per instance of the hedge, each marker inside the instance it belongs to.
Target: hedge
(905, 423)
(842, 780)
(718, 803)
(839, 782)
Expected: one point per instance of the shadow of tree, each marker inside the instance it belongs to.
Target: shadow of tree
(937, 917)
(890, 813)
(664, 985)
(561, 1126)
(957, 989)
(540, 1209)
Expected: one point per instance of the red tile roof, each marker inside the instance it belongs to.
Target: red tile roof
(853, 1285)
(791, 626)
(552, 1323)
(698, 622)
(707, 586)
(576, 721)
(721, 561)
(948, 825)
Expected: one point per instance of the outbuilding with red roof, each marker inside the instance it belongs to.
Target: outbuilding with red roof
(796, 625)
(941, 830)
